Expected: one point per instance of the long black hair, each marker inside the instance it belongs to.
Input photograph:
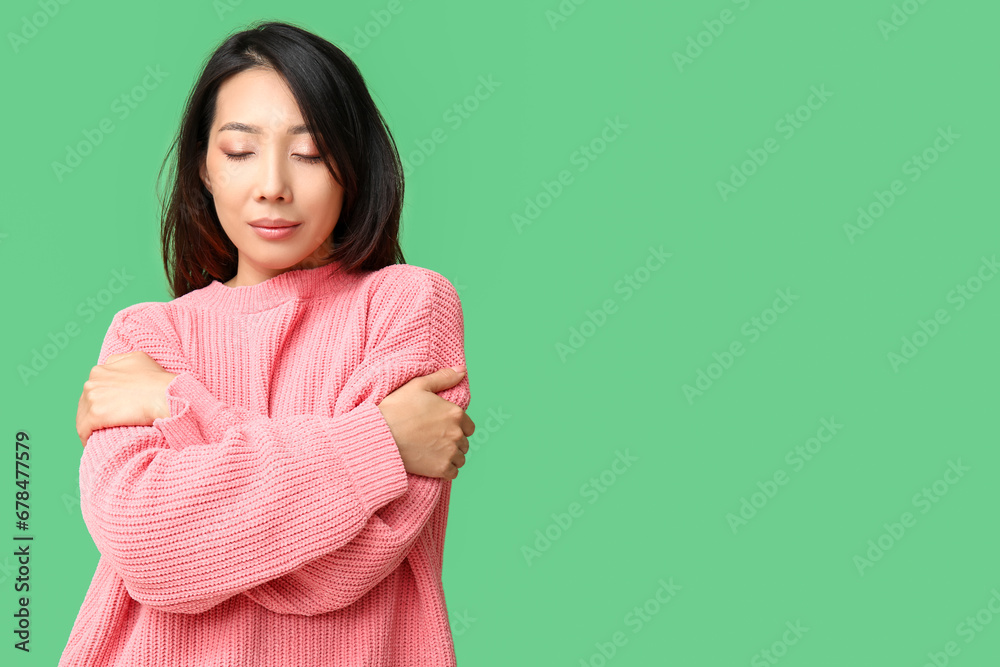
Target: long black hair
(349, 132)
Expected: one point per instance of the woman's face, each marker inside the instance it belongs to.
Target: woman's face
(275, 174)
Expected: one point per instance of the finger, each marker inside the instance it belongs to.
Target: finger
(468, 426)
(463, 445)
(112, 358)
(458, 460)
(442, 379)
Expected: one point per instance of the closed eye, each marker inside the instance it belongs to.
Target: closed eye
(239, 157)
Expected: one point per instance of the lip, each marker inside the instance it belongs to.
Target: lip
(272, 223)
(275, 233)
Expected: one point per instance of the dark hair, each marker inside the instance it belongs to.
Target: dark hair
(348, 129)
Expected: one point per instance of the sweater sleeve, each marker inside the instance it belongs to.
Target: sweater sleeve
(189, 521)
(418, 330)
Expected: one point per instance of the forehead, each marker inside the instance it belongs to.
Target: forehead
(257, 101)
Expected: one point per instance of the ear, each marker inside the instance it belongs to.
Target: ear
(203, 173)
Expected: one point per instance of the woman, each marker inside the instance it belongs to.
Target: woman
(268, 457)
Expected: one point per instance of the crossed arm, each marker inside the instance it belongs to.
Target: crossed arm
(303, 514)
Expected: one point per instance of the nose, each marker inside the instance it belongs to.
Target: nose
(272, 178)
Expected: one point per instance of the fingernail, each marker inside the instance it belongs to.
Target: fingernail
(459, 369)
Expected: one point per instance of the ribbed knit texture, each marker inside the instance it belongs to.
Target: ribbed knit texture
(269, 520)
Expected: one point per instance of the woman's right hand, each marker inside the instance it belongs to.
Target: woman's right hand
(430, 432)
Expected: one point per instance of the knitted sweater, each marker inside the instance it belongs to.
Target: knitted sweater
(269, 519)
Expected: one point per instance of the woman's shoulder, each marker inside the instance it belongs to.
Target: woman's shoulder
(150, 323)
(404, 273)
(406, 283)
(133, 314)
(153, 311)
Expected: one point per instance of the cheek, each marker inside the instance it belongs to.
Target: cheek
(317, 193)
(333, 193)
(225, 194)
(224, 175)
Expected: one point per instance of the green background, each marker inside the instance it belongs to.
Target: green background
(549, 423)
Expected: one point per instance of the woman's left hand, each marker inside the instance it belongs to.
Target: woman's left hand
(126, 390)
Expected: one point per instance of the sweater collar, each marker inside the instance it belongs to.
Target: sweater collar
(294, 284)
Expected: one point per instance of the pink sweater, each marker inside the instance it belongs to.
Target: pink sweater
(269, 520)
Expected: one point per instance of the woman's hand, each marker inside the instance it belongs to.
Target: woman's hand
(126, 390)
(430, 432)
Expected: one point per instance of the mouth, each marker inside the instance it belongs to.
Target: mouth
(273, 223)
(275, 233)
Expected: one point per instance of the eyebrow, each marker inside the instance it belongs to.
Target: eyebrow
(255, 129)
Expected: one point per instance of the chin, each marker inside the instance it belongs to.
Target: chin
(274, 261)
